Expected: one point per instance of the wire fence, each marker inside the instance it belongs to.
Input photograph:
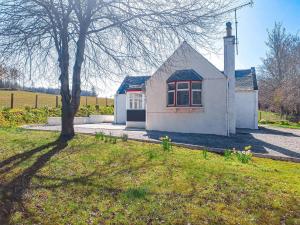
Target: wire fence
(21, 99)
(275, 117)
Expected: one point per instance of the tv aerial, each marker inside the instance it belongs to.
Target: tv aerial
(236, 23)
(235, 9)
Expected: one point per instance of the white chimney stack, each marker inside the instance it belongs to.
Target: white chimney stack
(229, 71)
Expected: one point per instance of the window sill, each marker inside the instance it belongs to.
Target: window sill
(185, 109)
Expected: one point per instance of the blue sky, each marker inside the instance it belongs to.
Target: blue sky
(253, 25)
(252, 33)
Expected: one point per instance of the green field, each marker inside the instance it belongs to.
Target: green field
(274, 119)
(91, 181)
(26, 98)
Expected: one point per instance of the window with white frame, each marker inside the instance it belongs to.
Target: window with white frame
(171, 94)
(135, 101)
(184, 93)
(196, 92)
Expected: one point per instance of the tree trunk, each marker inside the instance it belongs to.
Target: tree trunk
(67, 122)
(68, 112)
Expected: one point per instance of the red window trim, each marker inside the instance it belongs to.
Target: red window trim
(190, 94)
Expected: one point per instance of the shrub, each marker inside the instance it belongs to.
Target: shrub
(107, 110)
(3, 122)
(244, 156)
(228, 154)
(124, 137)
(204, 153)
(99, 136)
(152, 155)
(263, 121)
(114, 140)
(284, 122)
(166, 143)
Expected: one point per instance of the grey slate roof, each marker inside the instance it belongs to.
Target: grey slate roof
(246, 79)
(132, 81)
(182, 75)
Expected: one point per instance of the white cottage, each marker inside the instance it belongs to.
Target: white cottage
(188, 94)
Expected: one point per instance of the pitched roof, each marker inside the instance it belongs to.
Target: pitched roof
(246, 79)
(182, 75)
(132, 81)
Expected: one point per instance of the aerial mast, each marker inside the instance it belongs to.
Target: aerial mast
(250, 3)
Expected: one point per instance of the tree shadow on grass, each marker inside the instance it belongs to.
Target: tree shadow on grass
(12, 192)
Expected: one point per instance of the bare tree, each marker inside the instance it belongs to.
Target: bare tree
(105, 36)
(280, 72)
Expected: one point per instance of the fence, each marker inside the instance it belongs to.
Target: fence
(271, 116)
(21, 99)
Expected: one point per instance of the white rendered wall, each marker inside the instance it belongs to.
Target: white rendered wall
(247, 109)
(210, 119)
(120, 109)
(135, 124)
(229, 70)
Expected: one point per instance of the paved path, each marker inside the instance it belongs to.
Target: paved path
(266, 140)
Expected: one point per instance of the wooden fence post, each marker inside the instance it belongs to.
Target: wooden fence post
(12, 100)
(56, 101)
(86, 100)
(259, 115)
(36, 101)
(106, 101)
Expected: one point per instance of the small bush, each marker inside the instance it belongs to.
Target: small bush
(228, 154)
(166, 143)
(152, 154)
(284, 122)
(113, 140)
(244, 156)
(99, 136)
(3, 122)
(204, 153)
(124, 137)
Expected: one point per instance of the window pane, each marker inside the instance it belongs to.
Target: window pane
(183, 85)
(171, 86)
(183, 98)
(196, 97)
(171, 98)
(135, 101)
(196, 85)
(130, 104)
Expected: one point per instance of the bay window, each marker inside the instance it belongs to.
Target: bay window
(184, 93)
(135, 101)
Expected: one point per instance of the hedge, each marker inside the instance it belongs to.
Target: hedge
(16, 117)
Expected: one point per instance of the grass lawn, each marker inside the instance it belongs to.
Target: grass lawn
(274, 119)
(90, 181)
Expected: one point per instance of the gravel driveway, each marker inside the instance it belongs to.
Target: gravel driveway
(266, 140)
